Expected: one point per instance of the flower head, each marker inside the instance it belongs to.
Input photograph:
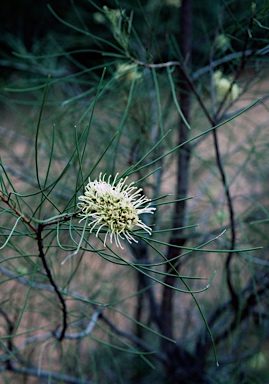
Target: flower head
(113, 15)
(127, 72)
(223, 85)
(114, 207)
(222, 42)
(99, 18)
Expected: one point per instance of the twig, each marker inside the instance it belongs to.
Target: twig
(229, 57)
(7, 201)
(186, 76)
(45, 287)
(134, 339)
(40, 228)
(40, 373)
(10, 328)
(38, 231)
(232, 291)
(216, 63)
(231, 215)
(87, 330)
(251, 295)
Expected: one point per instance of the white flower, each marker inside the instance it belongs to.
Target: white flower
(114, 207)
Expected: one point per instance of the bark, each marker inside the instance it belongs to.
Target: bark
(183, 159)
(181, 366)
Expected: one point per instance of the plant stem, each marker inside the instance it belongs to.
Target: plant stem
(52, 281)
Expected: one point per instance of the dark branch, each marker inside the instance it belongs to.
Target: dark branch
(52, 281)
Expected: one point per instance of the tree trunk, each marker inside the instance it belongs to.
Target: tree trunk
(181, 366)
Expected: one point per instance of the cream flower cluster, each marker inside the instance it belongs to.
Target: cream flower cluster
(128, 72)
(223, 43)
(223, 85)
(114, 208)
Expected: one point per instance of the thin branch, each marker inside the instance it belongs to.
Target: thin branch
(52, 281)
(249, 302)
(240, 68)
(252, 296)
(231, 288)
(229, 57)
(51, 288)
(7, 201)
(186, 76)
(45, 287)
(231, 215)
(61, 219)
(87, 330)
(216, 63)
(10, 329)
(42, 374)
(38, 231)
(134, 339)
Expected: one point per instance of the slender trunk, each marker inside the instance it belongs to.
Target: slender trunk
(183, 159)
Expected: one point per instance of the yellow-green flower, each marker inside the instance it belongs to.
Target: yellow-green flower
(99, 18)
(222, 42)
(128, 72)
(114, 207)
(114, 15)
(223, 85)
